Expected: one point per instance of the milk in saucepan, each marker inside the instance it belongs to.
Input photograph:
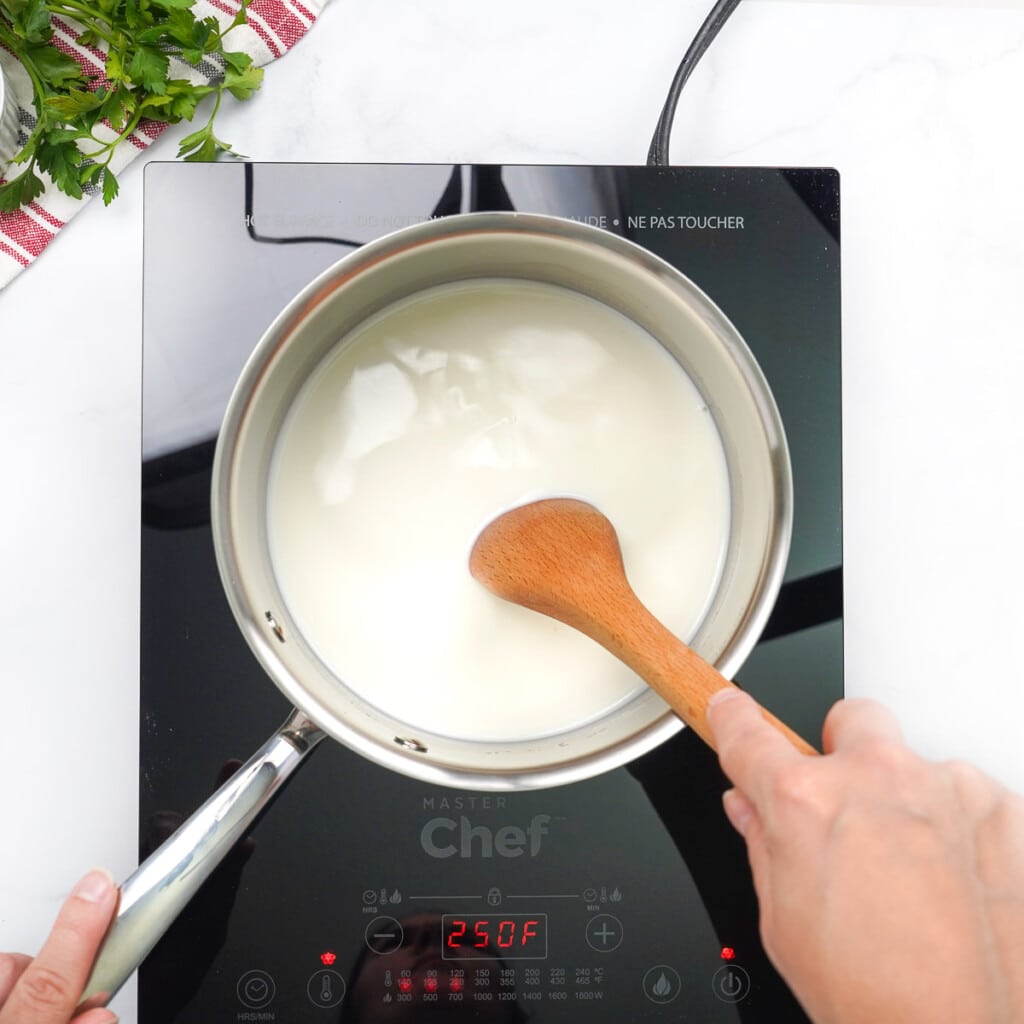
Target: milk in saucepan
(432, 418)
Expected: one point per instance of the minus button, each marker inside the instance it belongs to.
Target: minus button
(384, 935)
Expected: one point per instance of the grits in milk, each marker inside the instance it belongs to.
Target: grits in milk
(429, 420)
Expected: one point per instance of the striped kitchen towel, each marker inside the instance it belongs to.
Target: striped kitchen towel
(273, 27)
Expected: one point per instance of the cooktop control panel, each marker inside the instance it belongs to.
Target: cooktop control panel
(550, 905)
(495, 956)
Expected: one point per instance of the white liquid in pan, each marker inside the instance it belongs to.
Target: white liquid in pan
(429, 421)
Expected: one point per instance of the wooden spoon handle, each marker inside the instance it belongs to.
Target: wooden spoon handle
(675, 671)
(561, 557)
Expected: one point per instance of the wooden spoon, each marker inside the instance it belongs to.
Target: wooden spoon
(561, 557)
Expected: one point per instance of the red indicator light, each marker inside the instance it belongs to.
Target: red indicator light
(455, 985)
(728, 953)
(328, 958)
(430, 984)
(405, 984)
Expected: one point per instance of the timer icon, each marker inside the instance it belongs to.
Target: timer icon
(255, 989)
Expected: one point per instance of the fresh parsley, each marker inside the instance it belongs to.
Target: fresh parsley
(150, 46)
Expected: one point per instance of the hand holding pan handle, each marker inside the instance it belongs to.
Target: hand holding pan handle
(154, 895)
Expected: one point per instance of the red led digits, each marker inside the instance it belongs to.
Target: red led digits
(514, 935)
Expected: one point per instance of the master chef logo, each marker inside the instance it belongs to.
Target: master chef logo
(458, 835)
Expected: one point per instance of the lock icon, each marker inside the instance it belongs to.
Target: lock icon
(493, 896)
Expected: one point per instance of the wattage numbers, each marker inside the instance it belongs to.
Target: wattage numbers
(504, 936)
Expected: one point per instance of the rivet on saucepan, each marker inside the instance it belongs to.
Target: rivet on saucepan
(275, 626)
(410, 744)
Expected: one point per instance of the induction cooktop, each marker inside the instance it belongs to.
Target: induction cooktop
(362, 895)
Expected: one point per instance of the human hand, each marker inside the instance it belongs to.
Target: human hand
(48, 989)
(891, 889)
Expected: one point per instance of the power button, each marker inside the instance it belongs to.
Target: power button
(730, 983)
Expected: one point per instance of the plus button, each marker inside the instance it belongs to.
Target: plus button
(604, 933)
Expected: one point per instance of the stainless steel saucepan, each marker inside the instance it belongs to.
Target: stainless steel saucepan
(396, 268)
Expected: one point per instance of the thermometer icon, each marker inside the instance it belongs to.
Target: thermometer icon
(326, 988)
(326, 993)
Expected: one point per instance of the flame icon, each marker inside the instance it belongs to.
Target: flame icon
(616, 895)
(662, 987)
(396, 897)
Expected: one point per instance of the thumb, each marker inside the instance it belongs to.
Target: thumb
(50, 988)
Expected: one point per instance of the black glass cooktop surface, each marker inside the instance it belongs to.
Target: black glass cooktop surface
(362, 895)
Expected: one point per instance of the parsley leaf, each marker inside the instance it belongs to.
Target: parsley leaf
(30, 19)
(56, 67)
(20, 191)
(60, 158)
(148, 67)
(110, 186)
(74, 102)
(242, 84)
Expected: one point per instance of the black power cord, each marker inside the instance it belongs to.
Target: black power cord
(657, 155)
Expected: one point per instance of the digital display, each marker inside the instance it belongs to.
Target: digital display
(507, 936)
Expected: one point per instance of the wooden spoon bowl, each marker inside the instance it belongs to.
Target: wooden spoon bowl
(561, 557)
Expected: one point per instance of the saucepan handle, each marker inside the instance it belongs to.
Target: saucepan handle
(158, 891)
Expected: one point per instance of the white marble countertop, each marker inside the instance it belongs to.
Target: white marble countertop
(917, 105)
